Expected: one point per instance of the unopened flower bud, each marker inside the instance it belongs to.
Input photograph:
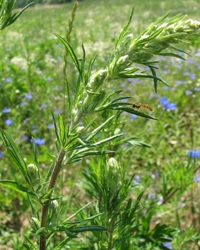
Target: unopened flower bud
(33, 173)
(113, 163)
(97, 79)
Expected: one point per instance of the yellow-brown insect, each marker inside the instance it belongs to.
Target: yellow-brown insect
(144, 106)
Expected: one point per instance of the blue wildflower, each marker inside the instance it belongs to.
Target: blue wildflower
(137, 179)
(133, 116)
(192, 76)
(167, 104)
(132, 80)
(156, 174)
(171, 106)
(167, 245)
(39, 141)
(34, 128)
(50, 79)
(8, 79)
(57, 112)
(160, 200)
(29, 96)
(1, 154)
(9, 122)
(188, 92)
(194, 153)
(59, 87)
(25, 137)
(196, 178)
(164, 101)
(165, 87)
(196, 89)
(152, 195)
(50, 126)
(6, 110)
(23, 103)
(43, 106)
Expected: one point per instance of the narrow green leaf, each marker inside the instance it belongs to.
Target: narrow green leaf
(107, 139)
(62, 244)
(143, 75)
(46, 195)
(149, 37)
(71, 52)
(138, 143)
(33, 207)
(88, 228)
(14, 153)
(83, 65)
(122, 34)
(16, 186)
(122, 98)
(12, 17)
(155, 80)
(62, 130)
(47, 177)
(130, 70)
(89, 69)
(74, 214)
(34, 152)
(78, 91)
(159, 20)
(84, 220)
(133, 111)
(172, 55)
(33, 247)
(91, 152)
(69, 99)
(94, 132)
(110, 95)
(56, 130)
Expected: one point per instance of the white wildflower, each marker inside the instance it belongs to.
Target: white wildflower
(19, 62)
(49, 60)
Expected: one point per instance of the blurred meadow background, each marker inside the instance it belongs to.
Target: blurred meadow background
(31, 87)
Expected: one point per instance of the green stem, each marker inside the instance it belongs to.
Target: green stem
(45, 207)
(178, 217)
(110, 240)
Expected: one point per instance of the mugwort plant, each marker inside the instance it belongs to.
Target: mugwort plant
(120, 216)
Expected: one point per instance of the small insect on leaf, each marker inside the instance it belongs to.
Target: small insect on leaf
(140, 105)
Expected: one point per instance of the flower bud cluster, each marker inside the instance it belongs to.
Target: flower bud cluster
(158, 37)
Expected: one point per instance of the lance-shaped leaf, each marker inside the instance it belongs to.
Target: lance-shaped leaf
(88, 228)
(16, 186)
(142, 75)
(6, 15)
(30, 243)
(71, 52)
(14, 154)
(133, 111)
(79, 156)
(107, 139)
(124, 31)
(98, 129)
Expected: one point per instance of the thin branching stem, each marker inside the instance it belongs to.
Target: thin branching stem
(45, 207)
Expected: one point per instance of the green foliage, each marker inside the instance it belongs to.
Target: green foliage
(7, 17)
(131, 206)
